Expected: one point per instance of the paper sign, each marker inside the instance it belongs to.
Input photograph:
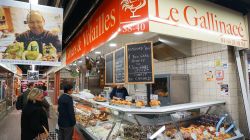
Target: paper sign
(154, 97)
(219, 75)
(209, 76)
(224, 89)
(140, 98)
(129, 98)
(217, 63)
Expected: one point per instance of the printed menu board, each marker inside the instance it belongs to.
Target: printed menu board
(109, 65)
(139, 63)
(120, 66)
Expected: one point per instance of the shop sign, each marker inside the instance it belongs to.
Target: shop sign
(23, 43)
(101, 27)
(133, 16)
(199, 20)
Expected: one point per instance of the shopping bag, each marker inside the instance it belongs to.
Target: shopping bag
(46, 133)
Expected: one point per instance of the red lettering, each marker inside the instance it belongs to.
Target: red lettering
(235, 30)
(222, 24)
(106, 22)
(186, 17)
(173, 17)
(112, 17)
(156, 8)
(240, 29)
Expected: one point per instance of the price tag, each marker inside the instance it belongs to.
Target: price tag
(193, 135)
(140, 98)
(129, 98)
(154, 97)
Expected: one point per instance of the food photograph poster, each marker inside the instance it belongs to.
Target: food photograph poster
(30, 34)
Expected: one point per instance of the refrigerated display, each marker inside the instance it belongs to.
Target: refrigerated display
(102, 119)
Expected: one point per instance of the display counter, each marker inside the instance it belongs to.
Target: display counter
(105, 120)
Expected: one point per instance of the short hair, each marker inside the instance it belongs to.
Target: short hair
(34, 93)
(30, 84)
(67, 88)
(33, 12)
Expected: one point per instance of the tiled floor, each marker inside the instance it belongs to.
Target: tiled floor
(10, 126)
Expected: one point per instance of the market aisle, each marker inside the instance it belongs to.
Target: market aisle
(11, 126)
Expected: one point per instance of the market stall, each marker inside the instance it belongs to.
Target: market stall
(145, 45)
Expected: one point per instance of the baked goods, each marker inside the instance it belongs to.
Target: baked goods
(139, 103)
(100, 99)
(120, 102)
(203, 132)
(103, 116)
(154, 103)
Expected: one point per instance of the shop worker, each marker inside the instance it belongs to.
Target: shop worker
(37, 33)
(119, 91)
(66, 118)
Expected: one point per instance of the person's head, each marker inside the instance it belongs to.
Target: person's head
(36, 95)
(68, 89)
(44, 89)
(120, 86)
(35, 22)
(31, 85)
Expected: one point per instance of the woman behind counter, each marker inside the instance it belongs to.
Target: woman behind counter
(119, 91)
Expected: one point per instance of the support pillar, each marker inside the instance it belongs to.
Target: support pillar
(57, 87)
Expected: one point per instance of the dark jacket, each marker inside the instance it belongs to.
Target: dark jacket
(66, 111)
(32, 119)
(46, 37)
(25, 96)
(120, 93)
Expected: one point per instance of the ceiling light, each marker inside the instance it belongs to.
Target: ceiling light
(33, 1)
(80, 61)
(112, 45)
(138, 33)
(97, 52)
(74, 64)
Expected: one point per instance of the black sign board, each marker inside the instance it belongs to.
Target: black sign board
(109, 73)
(139, 63)
(120, 66)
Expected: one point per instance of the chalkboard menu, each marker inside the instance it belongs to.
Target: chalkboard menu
(139, 63)
(109, 63)
(120, 66)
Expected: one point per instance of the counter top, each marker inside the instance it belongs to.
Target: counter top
(158, 110)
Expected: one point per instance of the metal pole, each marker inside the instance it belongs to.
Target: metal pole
(246, 72)
(243, 86)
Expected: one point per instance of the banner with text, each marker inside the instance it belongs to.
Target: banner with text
(199, 20)
(30, 34)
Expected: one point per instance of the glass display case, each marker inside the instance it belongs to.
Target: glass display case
(100, 119)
